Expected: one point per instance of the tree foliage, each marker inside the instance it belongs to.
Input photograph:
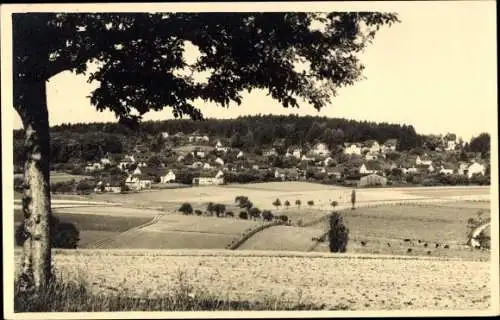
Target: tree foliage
(139, 54)
(338, 234)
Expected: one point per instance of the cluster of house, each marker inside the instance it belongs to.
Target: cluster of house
(425, 165)
(213, 167)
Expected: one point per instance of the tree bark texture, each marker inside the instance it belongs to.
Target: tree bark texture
(32, 108)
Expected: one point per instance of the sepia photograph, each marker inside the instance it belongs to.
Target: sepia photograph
(249, 159)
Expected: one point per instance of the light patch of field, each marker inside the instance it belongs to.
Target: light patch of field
(384, 229)
(63, 177)
(282, 238)
(440, 192)
(356, 282)
(175, 231)
(259, 194)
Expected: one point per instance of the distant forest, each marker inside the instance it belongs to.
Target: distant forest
(90, 141)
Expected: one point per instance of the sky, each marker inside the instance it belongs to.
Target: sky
(436, 70)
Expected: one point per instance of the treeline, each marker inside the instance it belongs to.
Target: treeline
(90, 141)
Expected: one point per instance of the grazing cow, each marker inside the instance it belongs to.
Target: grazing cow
(363, 243)
(437, 245)
(409, 250)
(388, 244)
(425, 245)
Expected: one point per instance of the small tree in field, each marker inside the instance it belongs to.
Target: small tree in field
(277, 203)
(353, 199)
(267, 215)
(198, 212)
(334, 204)
(310, 203)
(211, 208)
(243, 215)
(186, 208)
(338, 234)
(287, 204)
(254, 212)
(298, 203)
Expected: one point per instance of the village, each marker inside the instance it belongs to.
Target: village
(201, 160)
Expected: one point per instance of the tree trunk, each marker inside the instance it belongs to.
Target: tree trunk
(36, 263)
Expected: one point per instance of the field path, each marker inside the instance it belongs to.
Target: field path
(107, 241)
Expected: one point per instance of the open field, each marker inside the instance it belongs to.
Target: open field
(96, 224)
(384, 230)
(353, 282)
(176, 231)
(263, 195)
(62, 177)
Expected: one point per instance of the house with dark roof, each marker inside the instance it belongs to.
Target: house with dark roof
(370, 167)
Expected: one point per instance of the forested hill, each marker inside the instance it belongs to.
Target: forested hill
(261, 130)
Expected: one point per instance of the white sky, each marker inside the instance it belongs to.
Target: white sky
(436, 70)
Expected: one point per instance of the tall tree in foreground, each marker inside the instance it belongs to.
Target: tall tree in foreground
(141, 67)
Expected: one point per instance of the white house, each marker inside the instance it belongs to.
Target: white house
(137, 171)
(126, 161)
(138, 182)
(165, 135)
(352, 148)
(367, 169)
(446, 170)
(419, 161)
(270, 152)
(209, 180)
(239, 155)
(409, 170)
(93, 167)
(462, 168)
(320, 149)
(180, 158)
(220, 147)
(476, 168)
(374, 147)
(450, 145)
(219, 161)
(167, 178)
(327, 161)
(105, 161)
(306, 158)
(207, 166)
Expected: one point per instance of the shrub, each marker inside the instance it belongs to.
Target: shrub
(85, 186)
(298, 203)
(277, 203)
(198, 212)
(283, 218)
(219, 209)
(286, 204)
(310, 203)
(186, 208)
(230, 214)
(243, 215)
(18, 184)
(63, 235)
(267, 215)
(254, 212)
(338, 234)
(63, 186)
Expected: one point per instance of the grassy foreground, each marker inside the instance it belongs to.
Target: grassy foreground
(74, 296)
